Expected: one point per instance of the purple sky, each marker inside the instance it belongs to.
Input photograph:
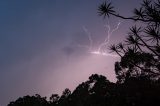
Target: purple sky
(39, 41)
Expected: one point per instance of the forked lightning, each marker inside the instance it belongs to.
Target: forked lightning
(102, 46)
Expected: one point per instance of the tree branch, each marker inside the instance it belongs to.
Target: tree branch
(130, 18)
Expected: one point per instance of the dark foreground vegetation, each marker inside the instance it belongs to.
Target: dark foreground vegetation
(98, 91)
(138, 71)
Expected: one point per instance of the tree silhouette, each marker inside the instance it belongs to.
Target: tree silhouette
(140, 52)
(98, 91)
(54, 99)
(36, 100)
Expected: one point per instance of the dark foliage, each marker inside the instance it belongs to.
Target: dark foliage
(140, 52)
(35, 100)
(138, 71)
(98, 91)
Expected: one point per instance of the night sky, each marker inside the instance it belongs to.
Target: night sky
(39, 44)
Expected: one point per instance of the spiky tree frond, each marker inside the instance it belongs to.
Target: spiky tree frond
(105, 9)
(152, 33)
(135, 30)
(139, 13)
(113, 48)
(132, 40)
(121, 46)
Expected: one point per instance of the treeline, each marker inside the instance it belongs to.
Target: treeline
(98, 91)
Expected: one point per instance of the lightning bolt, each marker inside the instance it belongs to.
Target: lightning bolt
(109, 34)
(103, 54)
(88, 34)
(89, 37)
(100, 50)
